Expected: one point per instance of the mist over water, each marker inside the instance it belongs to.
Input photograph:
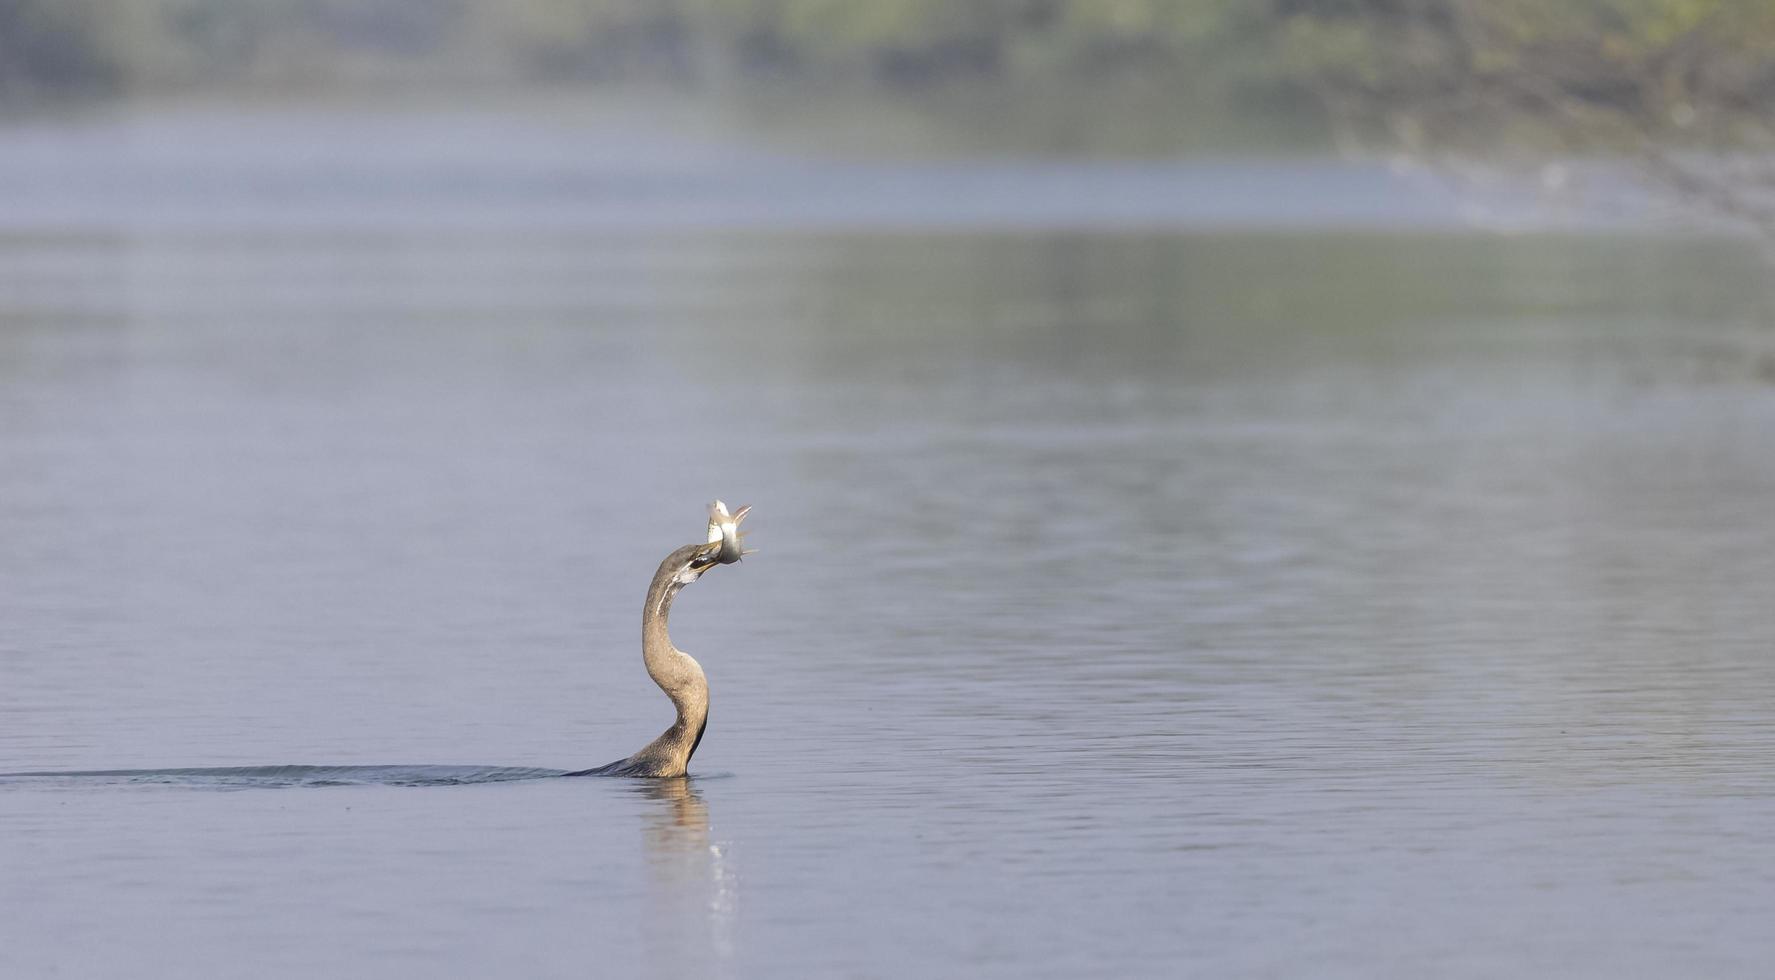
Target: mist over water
(1152, 598)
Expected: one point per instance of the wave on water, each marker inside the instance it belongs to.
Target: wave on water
(288, 776)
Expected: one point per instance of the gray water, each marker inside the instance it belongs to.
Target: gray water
(1210, 601)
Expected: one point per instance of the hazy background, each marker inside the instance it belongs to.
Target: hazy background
(1243, 488)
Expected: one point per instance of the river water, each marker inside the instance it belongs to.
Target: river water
(1171, 587)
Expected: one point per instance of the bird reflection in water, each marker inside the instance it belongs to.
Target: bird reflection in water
(693, 885)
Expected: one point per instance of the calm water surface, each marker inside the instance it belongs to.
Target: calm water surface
(1210, 603)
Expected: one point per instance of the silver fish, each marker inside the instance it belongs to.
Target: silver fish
(725, 528)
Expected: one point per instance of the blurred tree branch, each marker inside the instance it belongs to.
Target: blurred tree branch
(1684, 89)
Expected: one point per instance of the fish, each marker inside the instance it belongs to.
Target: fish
(725, 528)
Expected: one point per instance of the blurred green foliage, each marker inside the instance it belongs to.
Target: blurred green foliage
(91, 45)
(1653, 64)
(1671, 58)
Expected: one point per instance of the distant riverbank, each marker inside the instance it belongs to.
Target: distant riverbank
(570, 166)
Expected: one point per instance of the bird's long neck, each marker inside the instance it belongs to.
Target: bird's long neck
(676, 673)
